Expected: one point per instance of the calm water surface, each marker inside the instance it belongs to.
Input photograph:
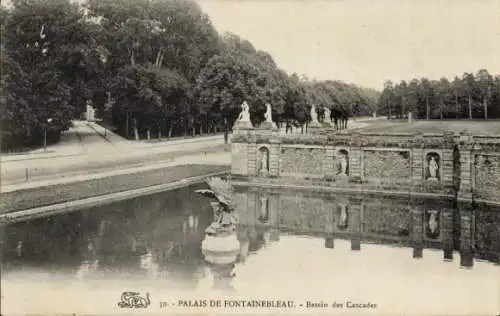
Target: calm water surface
(398, 254)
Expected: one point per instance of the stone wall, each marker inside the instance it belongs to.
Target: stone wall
(480, 168)
(487, 175)
(301, 161)
(386, 164)
(439, 164)
(239, 158)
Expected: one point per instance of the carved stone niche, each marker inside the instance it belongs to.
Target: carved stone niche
(263, 161)
(342, 163)
(432, 170)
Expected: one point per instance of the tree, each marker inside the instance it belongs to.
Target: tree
(37, 37)
(457, 90)
(425, 91)
(442, 97)
(486, 86)
(469, 87)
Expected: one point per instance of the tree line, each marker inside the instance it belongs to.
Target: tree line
(472, 96)
(155, 68)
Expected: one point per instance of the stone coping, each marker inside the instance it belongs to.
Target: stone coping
(344, 134)
(325, 188)
(320, 187)
(34, 197)
(80, 204)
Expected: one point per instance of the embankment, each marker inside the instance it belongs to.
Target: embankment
(102, 189)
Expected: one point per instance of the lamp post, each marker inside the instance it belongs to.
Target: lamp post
(104, 60)
(45, 134)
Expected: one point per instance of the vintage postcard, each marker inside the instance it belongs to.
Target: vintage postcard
(250, 157)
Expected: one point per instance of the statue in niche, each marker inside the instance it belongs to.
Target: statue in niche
(314, 115)
(433, 168)
(264, 156)
(245, 113)
(343, 164)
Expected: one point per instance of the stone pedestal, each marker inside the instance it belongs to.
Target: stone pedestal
(355, 164)
(466, 161)
(269, 126)
(220, 249)
(355, 158)
(314, 128)
(239, 159)
(328, 164)
(274, 158)
(242, 125)
(252, 158)
(417, 164)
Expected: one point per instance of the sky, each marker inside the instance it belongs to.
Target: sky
(368, 41)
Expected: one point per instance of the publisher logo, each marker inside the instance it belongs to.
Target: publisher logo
(134, 300)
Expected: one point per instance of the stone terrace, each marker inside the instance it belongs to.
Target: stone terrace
(476, 127)
(423, 158)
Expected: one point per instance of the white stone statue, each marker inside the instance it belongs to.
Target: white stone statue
(269, 113)
(328, 115)
(343, 165)
(314, 115)
(263, 161)
(433, 168)
(245, 112)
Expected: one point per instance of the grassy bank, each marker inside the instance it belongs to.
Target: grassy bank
(36, 197)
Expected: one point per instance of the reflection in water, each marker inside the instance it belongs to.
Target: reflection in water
(160, 236)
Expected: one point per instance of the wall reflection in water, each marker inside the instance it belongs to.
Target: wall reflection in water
(472, 231)
(160, 236)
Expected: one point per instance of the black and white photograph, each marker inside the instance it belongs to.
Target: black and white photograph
(250, 157)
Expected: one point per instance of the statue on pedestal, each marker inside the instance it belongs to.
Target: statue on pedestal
(224, 218)
(269, 113)
(245, 113)
(268, 119)
(220, 246)
(328, 116)
(314, 115)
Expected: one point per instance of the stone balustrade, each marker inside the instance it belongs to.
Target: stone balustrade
(463, 165)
